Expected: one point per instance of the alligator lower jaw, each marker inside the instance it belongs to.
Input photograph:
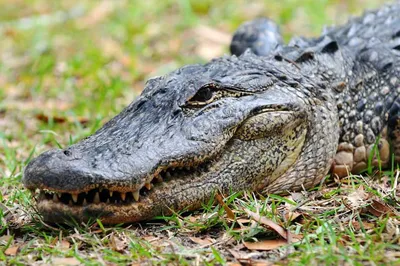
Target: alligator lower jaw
(108, 213)
(112, 204)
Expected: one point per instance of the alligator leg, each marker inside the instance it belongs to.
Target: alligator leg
(355, 158)
(261, 36)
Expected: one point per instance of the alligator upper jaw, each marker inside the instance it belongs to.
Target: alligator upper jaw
(117, 205)
(114, 194)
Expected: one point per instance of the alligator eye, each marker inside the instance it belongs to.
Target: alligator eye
(203, 95)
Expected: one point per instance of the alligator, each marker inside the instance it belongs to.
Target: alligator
(271, 118)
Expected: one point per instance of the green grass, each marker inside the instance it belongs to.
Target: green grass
(71, 62)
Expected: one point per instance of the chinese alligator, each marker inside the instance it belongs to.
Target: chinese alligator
(274, 120)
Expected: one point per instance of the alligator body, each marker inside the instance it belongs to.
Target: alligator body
(273, 124)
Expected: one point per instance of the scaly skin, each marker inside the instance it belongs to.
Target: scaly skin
(270, 124)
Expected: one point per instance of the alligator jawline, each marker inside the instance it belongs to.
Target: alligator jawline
(117, 196)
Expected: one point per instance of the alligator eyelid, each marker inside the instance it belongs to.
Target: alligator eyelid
(226, 91)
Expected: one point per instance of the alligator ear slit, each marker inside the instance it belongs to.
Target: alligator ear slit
(330, 48)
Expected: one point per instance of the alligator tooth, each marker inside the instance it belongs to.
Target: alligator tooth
(123, 196)
(108, 201)
(42, 196)
(59, 195)
(75, 197)
(96, 198)
(55, 198)
(148, 186)
(168, 174)
(136, 195)
(84, 202)
(111, 193)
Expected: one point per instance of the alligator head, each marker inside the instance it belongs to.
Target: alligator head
(230, 125)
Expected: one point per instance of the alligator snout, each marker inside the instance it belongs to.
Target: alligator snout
(58, 169)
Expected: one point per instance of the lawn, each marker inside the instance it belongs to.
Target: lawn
(67, 67)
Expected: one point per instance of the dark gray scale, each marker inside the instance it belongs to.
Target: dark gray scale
(261, 36)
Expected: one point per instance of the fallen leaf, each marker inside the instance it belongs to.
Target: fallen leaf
(263, 220)
(291, 216)
(265, 244)
(204, 242)
(11, 251)
(228, 211)
(365, 225)
(117, 244)
(64, 244)
(379, 208)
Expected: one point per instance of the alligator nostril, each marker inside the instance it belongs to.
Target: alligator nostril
(67, 152)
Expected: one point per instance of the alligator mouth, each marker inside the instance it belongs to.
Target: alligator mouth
(116, 195)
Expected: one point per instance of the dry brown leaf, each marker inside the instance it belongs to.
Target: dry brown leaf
(265, 221)
(65, 261)
(117, 244)
(291, 216)
(228, 211)
(379, 208)
(265, 244)
(204, 242)
(64, 244)
(365, 225)
(11, 251)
